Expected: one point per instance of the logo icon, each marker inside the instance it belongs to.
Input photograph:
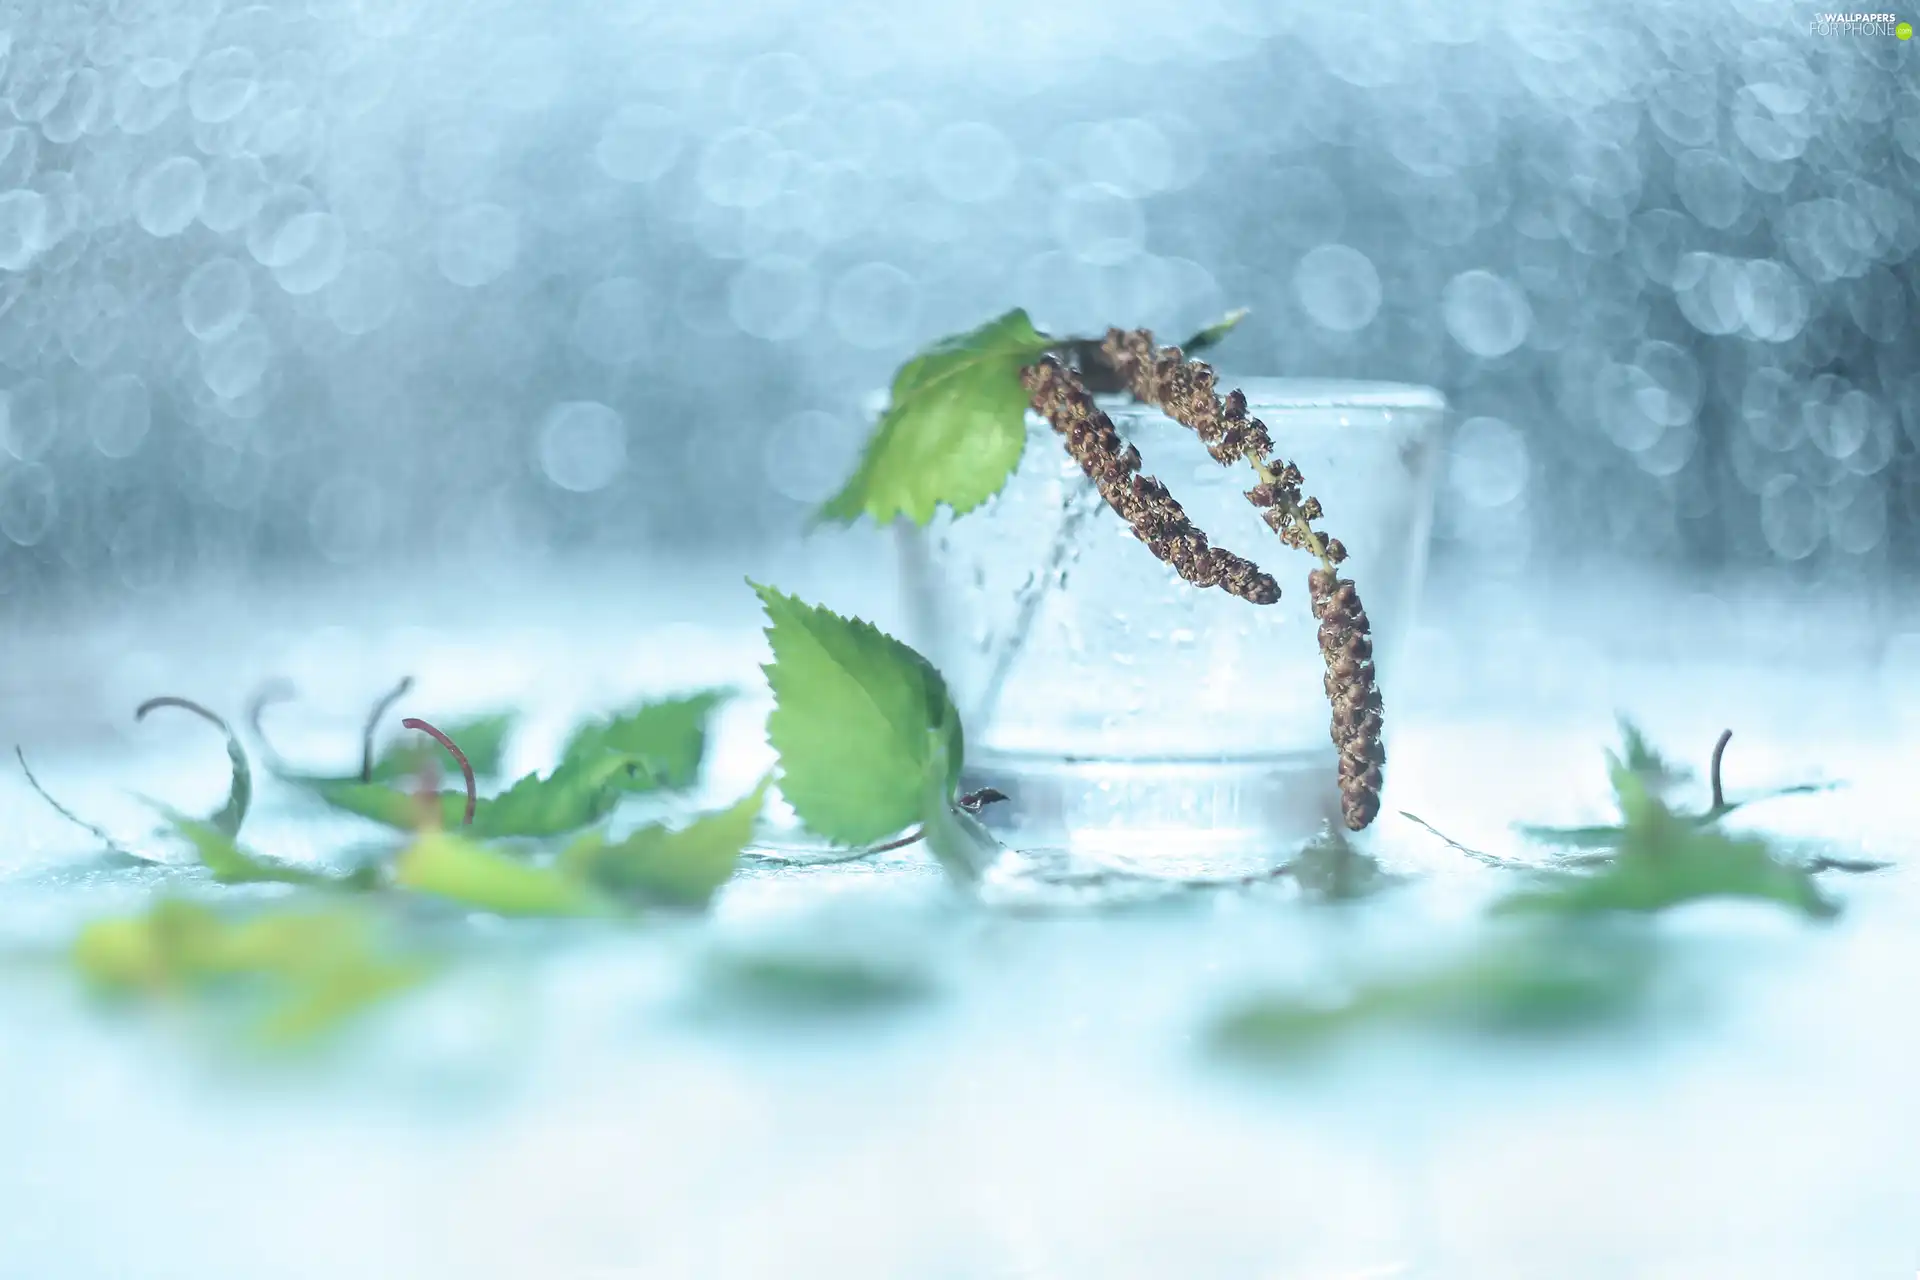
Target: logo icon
(1903, 31)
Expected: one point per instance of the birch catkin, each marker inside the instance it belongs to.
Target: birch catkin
(1184, 390)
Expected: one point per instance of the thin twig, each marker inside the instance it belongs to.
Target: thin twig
(972, 802)
(1719, 749)
(459, 756)
(113, 846)
(380, 709)
(274, 691)
(1490, 859)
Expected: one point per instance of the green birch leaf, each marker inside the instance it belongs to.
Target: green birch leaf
(682, 868)
(854, 713)
(1665, 859)
(668, 736)
(576, 794)
(1213, 333)
(954, 428)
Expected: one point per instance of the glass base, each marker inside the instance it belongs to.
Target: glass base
(1172, 817)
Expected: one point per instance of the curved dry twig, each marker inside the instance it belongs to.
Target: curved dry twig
(453, 749)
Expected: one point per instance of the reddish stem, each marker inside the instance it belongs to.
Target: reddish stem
(459, 756)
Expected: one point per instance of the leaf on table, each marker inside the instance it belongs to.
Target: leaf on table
(1551, 981)
(668, 737)
(1665, 859)
(681, 868)
(576, 794)
(954, 428)
(1657, 777)
(854, 714)
(290, 975)
(444, 865)
(229, 863)
(1213, 333)
(233, 814)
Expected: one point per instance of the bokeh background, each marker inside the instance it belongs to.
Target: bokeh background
(334, 282)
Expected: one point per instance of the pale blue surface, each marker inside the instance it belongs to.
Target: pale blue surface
(563, 1110)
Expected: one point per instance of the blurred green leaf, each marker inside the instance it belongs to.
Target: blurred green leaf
(795, 981)
(460, 870)
(289, 975)
(1542, 982)
(1665, 859)
(668, 737)
(228, 863)
(683, 867)
(576, 794)
(854, 711)
(1213, 333)
(1638, 756)
(954, 428)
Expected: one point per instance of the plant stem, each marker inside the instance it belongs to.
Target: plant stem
(459, 756)
(1719, 750)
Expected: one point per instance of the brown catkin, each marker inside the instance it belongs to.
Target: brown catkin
(1184, 390)
(1156, 518)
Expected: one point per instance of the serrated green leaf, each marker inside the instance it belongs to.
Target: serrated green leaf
(668, 737)
(853, 708)
(1666, 859)
(954, 428)
(682, 868)
(1213, 333)
(388, 806)
(457, 869)
(576, 794)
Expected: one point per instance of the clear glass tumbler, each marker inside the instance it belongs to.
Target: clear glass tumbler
(1130, 715)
